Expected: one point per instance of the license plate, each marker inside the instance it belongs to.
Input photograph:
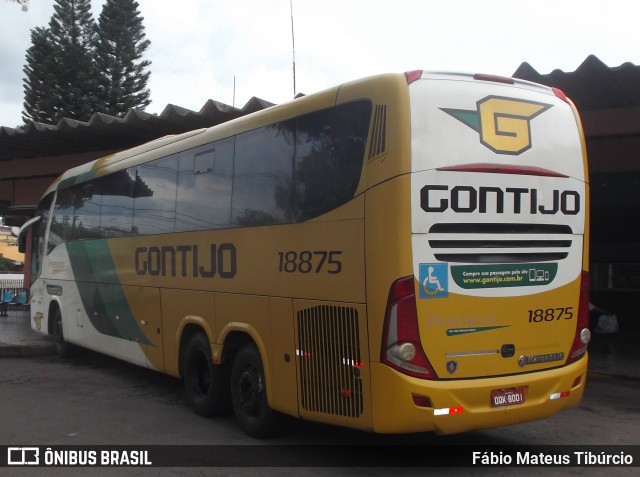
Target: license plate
(507, 397)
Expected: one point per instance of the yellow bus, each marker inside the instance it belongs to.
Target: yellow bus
(406, 252)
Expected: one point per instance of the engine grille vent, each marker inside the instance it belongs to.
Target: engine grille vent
(378, 142)
(329, 360)
(500, 243)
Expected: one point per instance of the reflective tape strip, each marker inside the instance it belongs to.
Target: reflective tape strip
(448, 410)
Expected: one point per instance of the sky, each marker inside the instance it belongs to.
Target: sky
(201, 48)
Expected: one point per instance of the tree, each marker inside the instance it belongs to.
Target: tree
(76, 68)
(120, 46)
(40, 84)
(73, 34)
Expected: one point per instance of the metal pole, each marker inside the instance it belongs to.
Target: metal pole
(293, 43)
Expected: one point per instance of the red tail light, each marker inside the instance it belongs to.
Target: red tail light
(413, 76)
(494, 78)
(502, 169)
(583, 334)
(560, 94)
(401, 345)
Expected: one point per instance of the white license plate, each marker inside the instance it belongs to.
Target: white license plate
(507, 397)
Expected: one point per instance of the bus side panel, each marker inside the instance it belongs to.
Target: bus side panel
(388, 249)
(333, 362)
(283, 358)
(144, 303)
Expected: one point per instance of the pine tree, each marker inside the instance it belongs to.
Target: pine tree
(73, 32)
(41, 98)
(62, 77)
(120, 46)
(75, 67)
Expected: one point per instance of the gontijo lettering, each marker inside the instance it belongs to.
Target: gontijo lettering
(468, 199)
(187, 261)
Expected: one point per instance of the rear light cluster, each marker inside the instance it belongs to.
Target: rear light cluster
(502, 169)
(413, 76)
(583, 334)
(560, 94)
(401, 345)
(493, 78)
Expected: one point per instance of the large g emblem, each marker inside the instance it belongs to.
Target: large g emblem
(504, 124)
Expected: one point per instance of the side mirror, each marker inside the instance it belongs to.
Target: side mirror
(22, 243)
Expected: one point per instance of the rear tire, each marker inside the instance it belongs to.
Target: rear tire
(206, 384)
(249, 396)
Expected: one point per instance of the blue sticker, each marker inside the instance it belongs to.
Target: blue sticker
(434, 280)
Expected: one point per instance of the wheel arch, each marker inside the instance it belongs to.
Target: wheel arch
(189, 327)
(53, 306)
(231, 339)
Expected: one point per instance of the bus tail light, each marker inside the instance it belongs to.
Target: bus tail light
(583, 334)
(560, 94)
(493, 78)
(401, 345)
(413, 76)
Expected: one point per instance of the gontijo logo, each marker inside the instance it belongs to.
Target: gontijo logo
(503, 123)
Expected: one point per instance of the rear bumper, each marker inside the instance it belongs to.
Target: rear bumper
(394, 410)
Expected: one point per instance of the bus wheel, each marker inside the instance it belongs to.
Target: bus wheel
(249, 396)
(63, 348)
(206, 384)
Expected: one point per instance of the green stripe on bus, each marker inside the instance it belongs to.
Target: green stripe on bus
(100, 291)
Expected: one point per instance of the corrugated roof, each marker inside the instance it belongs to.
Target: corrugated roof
(593, 85)
(104, 132)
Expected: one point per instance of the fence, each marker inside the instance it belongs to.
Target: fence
(13, 294)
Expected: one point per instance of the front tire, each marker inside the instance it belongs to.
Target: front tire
(249, 396)
(63, 349)
(206, 385)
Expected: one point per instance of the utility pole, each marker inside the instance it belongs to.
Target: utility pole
(293, 44)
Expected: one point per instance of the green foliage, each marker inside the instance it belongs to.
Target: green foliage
(120, 46)
(40, 85)
(76, 67)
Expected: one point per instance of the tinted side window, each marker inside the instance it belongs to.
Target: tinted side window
(330, 148)
(204, 187)
(116, 211)
(155, 196)
(262, 176)
(62, 220)
(37, 237)
(86, 219)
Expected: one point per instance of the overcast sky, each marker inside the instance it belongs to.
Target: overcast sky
(199, 46)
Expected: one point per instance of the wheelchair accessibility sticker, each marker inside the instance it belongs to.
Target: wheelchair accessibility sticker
(434, 280)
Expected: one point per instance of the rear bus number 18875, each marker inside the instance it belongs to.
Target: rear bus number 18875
(550, 314)
(307, 261)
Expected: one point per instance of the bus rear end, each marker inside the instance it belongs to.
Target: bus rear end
(492, 327)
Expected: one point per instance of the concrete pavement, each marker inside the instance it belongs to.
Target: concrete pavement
(18, 339)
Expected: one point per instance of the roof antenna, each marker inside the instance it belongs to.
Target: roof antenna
(293, 43)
